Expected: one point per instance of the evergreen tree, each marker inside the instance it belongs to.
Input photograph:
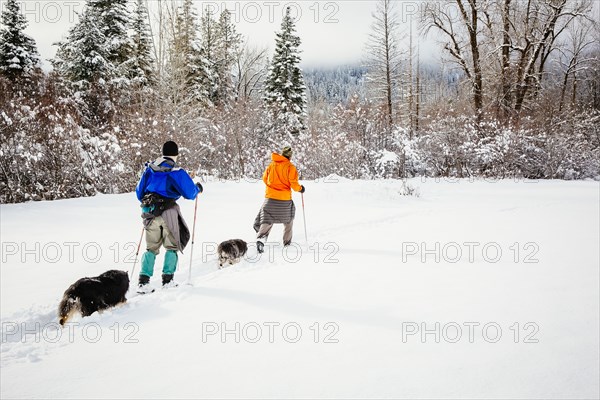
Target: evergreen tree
(285, 95)
(209, 53)
(83, 57)
(140, 65)
(230, 42)
(114, 21)
(83, 60)
(98, 47)
(185, 54)
(19, 58)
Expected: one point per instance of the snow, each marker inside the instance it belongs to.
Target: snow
(385, 284)
(388, 157)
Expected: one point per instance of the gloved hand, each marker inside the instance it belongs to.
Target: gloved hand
(199, 186)
(303, 189)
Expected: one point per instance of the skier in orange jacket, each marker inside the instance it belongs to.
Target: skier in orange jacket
(280, 177)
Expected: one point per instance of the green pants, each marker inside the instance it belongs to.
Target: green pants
(157, 235)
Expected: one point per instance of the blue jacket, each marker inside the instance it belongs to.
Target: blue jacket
(166, 181)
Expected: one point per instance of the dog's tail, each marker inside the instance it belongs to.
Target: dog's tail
(69, 304)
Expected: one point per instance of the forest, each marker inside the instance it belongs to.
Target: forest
(516, 94)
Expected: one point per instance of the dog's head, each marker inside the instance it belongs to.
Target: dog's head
(230, 251)
(116, 278)
(116, 275)
(224, 259)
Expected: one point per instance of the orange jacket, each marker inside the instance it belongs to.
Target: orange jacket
(280, 177)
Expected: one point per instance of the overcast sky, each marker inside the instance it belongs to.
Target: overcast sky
(332, 32)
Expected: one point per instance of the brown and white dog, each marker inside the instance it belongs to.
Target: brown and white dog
(88, 295)
(231, 251)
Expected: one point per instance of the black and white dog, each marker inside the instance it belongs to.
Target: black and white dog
(230, 251)
(89, 295)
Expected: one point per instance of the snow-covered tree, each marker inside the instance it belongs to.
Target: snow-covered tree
(209, 56)
(114, 21)
(285, 95)
(384, 57)
(83, 57)
(187, 71)
(19, 58)
(140, 65)
(230, 43)
(98, 47)
(250, 71)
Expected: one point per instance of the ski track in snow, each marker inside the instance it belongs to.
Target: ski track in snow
(42, 321)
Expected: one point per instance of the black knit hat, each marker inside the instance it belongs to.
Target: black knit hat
(170, 149)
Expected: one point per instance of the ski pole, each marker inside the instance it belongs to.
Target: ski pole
(193, 238)
(304, 218)
(137, 253)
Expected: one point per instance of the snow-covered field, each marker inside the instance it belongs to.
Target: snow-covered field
(470, 290)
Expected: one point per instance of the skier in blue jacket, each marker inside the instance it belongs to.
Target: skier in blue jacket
(161, 185)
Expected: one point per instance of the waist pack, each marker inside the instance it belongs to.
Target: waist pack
(156, 204)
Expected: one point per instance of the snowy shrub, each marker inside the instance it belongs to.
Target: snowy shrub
(326, 148)
(415, 160)
(387, 164)
(408, 190)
